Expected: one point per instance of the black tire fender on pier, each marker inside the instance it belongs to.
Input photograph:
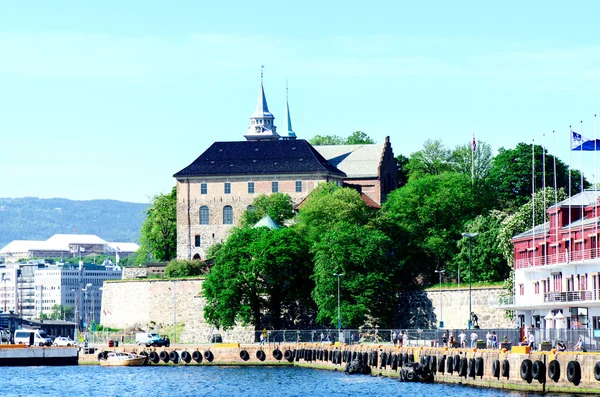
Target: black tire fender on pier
(261, 355)
(383, 360)
(389, 359)
(288, 355)
(505, 368)
(471, 370)
(526, 369)
(441, 365)
(208, 356)
(423, 359)
(164, 356)
(496, 369)
(479, 366)
(244, 355)
(433, 364)
(186, 357)
(462, 367)
(554, 370)
(277, 355)
(574, 372)
(457, 364)
(405, 359)
(449, 365)
(538, 370)
(394, 365)
(197, 356)
(597, 371)
(174, 356)
(154, 357)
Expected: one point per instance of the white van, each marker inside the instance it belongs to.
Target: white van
(37, 336)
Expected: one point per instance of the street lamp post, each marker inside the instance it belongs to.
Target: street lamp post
(470, 236)
(339, 325)
(440, 272)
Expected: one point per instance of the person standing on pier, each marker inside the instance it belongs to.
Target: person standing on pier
(473, 339)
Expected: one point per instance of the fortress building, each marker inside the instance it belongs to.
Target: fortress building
(216, 188)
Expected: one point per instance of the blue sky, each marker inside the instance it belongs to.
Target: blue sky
(109, 99)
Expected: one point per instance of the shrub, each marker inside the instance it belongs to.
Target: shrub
(185, 268)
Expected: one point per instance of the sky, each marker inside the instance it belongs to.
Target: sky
(107, 100)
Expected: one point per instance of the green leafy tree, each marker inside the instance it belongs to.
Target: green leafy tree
(359, 138)
(159, 230)
(60, 312)
(433, 159)
(429, 215)
(259, 271)
(510, 175)
(329, 204)
(319, 140)
(402, 161)
(460, 159)
(356, 138)
(185, 268)
(279, 206)
(487, 260)
(211, 252)
(44, 316)
(362, 255)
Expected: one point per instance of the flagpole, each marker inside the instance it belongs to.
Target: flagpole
(533, 198)
(544, 192)
(595, 192)
(581, 187)
(570, 199)
(555, 199)
(473, 146)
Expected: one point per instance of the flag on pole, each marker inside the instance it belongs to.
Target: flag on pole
(582, 143)
(474, 143)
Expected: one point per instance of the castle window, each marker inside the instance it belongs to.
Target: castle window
(250, 187)
(298, 186)
(227, 215)
(227, 187)
(203, 188)
(274, 187)
(196, 241)
(250, 208)
(204, 215)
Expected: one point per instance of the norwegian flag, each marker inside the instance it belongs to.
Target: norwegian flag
(474, 143)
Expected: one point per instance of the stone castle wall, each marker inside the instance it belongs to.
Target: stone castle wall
(128, 304)
(423, 309)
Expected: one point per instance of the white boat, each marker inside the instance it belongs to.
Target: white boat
(118, 359)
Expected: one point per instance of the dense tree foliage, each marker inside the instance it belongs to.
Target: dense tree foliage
(432, 211)
(60, 312)
(362, 255)
(510, 175)
(279, 206)
(402, 162)
(461, 160)
(328, 205)
(356, 138)
(159, 230)
(257, 275)
(186, 268)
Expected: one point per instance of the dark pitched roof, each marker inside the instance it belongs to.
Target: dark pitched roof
(259, 158)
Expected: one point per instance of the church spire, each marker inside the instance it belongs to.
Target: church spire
(290, 132)
(261, 121)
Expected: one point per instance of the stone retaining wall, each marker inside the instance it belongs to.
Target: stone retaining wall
(424, 310)
(148, 303)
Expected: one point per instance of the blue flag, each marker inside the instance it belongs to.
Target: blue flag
(581, 143)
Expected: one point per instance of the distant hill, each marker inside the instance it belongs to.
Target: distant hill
(32, 218)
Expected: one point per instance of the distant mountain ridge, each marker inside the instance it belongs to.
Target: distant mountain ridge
(32, 218)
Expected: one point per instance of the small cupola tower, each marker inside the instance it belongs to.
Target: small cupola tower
(261, 121)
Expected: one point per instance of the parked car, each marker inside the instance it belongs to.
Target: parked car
(158, 340)
(64, 341)
(216, 338)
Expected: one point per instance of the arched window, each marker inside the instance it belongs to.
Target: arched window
(204, 215)
(227, 215)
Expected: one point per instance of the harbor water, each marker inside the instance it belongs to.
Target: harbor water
(216, 381)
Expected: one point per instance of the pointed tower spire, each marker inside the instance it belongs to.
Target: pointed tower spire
(290, 133)
(261, 121)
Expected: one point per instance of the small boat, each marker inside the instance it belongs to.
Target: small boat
(118, 359)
